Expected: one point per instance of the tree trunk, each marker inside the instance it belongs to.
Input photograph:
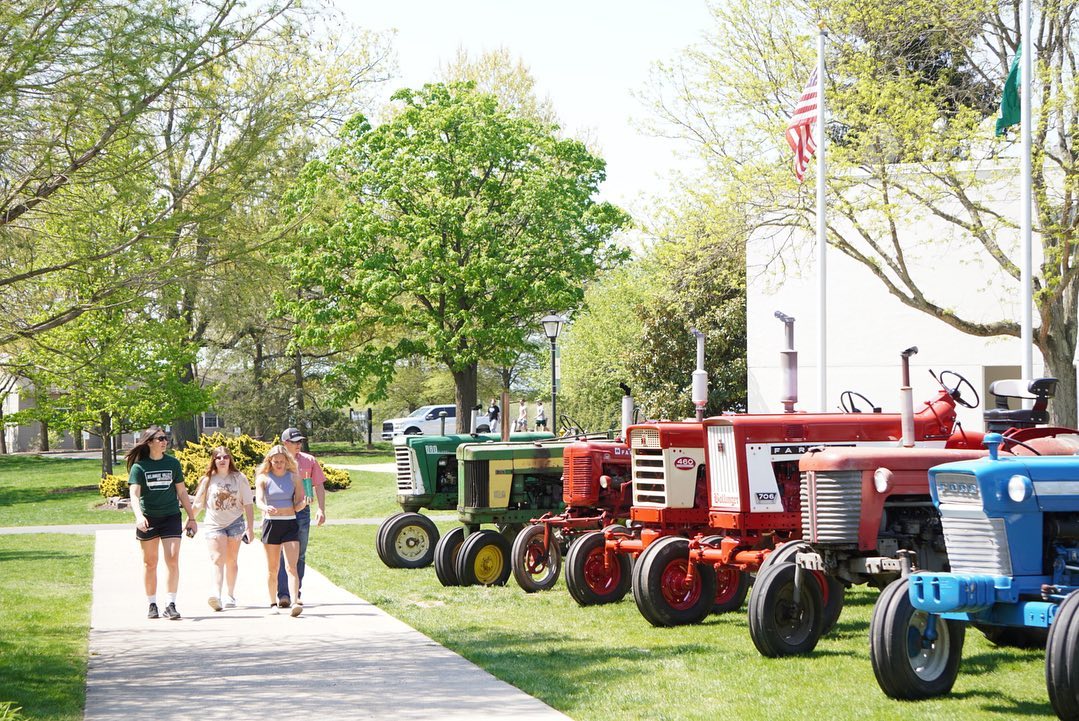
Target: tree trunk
(1058, 349)
(106, 444)
(43, 444)
(76, 437)
(256, 376)
(185, 429)
(3, 431)
(464, 383)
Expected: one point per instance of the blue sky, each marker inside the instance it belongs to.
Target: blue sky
(587, 56)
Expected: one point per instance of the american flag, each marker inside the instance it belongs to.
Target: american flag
(800, 130)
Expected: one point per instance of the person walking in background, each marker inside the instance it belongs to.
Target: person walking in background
(279, 496)
(521, 424)
(541, 416)
(226, 495)
(493, 414)
(308, 467)
(156, 487)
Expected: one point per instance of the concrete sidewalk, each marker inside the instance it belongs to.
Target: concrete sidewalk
(342, 659)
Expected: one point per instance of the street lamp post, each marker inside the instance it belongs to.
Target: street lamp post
(552, 326)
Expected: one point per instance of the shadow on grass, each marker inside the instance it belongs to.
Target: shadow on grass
(37, 555)
(1007, 705)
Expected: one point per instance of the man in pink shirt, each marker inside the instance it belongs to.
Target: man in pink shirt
(309, 468)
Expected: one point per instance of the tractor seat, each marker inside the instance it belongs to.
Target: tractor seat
(1001, 418)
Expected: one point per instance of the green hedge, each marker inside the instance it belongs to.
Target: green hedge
(246, 452)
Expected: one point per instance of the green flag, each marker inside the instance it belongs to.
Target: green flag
(1009, 102)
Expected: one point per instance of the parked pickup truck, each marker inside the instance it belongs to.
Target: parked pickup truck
(426, 420)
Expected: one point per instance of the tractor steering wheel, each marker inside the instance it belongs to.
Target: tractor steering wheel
(846, 402)
(569, 426)
(956, 389)
(1029, 447)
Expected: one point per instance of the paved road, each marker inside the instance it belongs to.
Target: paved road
(342, 659)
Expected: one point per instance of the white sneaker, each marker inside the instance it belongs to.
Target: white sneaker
(215, 603)
(230, 602)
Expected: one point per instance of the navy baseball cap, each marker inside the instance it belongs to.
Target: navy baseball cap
(292, 435)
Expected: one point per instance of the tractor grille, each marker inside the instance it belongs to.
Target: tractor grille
(578, 489)
(723, 466)
(644, 438)
(477, 484)
(649, 478)
(404, 470)
(976, 543)
(831, 506)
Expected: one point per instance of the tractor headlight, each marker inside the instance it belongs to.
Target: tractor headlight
(1019, 488)
(882, 480)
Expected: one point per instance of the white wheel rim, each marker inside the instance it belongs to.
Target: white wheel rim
(412, 542)
(929, 663)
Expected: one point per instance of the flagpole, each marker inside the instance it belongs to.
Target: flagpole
(1026, 77)
(822, 239)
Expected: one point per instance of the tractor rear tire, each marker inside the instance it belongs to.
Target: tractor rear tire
(409, 540)
(588, 582)
(534, 568)
(904, 669)
(780, 624)
(380, 539)
(446, 551)
(732, 585)
(1015, 636)
(1062, 659)
(660, 590)
(484, 560)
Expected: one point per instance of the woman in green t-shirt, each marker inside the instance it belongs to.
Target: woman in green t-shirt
(156, 484)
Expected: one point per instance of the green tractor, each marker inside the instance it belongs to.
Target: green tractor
(505, 485)
(426, 479)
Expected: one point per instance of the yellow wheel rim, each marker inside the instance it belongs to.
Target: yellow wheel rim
(489, 564)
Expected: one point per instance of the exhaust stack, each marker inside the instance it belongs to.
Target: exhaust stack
(475, 420)
(627, 410)
(906, 399)
(788, 361)
(700, 377)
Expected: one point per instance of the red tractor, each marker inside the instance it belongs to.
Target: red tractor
(868, 517)
(753, 494)
(596, 491)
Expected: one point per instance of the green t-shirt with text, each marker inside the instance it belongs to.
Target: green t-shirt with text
(158, 480)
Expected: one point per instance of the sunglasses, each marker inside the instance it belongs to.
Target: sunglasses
(160, 438)
(221, 458)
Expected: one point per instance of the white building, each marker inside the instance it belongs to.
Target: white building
(867, 327)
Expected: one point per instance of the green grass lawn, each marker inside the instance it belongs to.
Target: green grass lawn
(45, 617)
(606, 661)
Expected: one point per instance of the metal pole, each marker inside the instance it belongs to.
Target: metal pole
(554, 393)
(1026, 79)
(822, 237)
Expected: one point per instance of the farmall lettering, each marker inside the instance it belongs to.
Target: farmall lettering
(763, 487)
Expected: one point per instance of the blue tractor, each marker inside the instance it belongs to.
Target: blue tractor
(1011, 526)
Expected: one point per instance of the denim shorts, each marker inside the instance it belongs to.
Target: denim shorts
(233, 530)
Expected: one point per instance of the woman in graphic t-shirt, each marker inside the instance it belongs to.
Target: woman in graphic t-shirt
(227, 497)
(156, 485)
(279, 494)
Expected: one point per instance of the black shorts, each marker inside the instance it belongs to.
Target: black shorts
(276, 531)
(161, 527)
(541, 422)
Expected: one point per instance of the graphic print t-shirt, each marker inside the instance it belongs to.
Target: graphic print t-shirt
(158, 480)
(225, 499)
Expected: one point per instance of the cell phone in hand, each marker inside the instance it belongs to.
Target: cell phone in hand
(190, 532)
(245, 538)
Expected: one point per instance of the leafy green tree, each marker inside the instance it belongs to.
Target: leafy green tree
(913, 89)
(455, 224)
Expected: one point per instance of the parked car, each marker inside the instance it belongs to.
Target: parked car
(426, 420)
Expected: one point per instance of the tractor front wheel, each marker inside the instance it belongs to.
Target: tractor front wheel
(446, 551)
(535, 568)
(907, 664)
(663, 594)
(589, 579)
(380, 540)
(484, 560)
(1062, 659)
(781, 621)
(409, 541)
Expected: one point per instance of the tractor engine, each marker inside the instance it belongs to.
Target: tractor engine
(596, 475)
(535, 491)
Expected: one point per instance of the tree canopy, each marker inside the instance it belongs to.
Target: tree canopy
(444, 233)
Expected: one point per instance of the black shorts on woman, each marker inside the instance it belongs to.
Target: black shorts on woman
(160, 527)
(276, 531)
